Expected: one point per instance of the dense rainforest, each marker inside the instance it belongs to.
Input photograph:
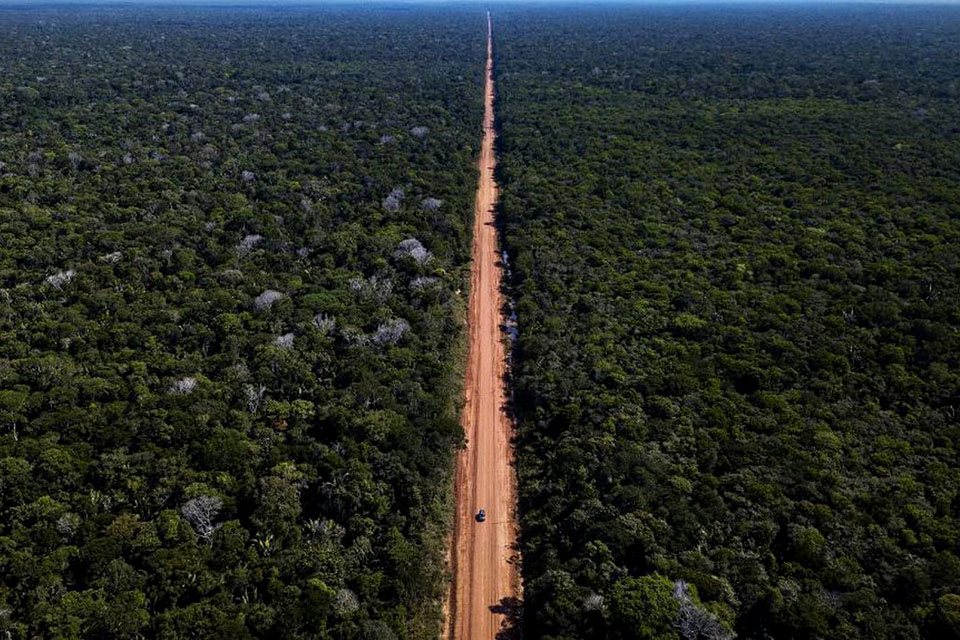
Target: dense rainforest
(232, 249)
(734, 235)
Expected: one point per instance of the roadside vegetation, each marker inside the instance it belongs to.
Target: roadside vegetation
(735, 251)
(232, 244)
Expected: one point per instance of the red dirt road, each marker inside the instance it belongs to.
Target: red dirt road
(483, 561)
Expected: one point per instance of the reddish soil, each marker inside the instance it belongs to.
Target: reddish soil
(486, 579)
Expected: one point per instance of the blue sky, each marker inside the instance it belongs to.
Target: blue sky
(474, 2)
(491, 3)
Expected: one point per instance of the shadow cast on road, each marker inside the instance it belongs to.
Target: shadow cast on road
(512, 610)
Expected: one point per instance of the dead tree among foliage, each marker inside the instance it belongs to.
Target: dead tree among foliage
(202, 512)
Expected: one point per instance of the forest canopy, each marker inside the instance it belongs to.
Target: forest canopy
(735, 257)
(234, 251)
(231, 249)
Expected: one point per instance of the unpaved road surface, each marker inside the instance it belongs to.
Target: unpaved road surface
(485, 573)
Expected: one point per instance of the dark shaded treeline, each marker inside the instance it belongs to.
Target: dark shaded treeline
(231, 244)
(734, 240)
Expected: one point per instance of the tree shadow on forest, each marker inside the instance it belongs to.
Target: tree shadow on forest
(512, 610)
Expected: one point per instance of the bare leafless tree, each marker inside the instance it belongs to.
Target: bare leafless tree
(202, 512)
(391, 331)
(694, 623)
(254, 395)
(414, 249)
(266, 299)
(392, 201)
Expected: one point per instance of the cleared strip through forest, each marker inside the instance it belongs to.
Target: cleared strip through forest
(486, 579)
